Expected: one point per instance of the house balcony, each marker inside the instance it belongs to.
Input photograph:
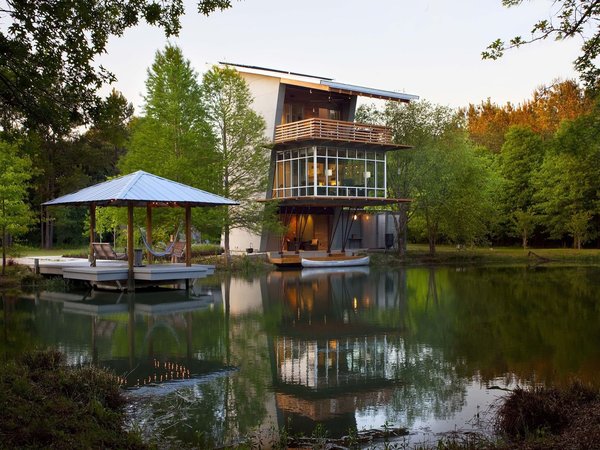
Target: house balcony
(334, 132)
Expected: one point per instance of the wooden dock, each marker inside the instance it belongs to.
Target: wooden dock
(114, 273)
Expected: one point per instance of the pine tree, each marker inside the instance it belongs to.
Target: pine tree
(173, 138)
(244, 160)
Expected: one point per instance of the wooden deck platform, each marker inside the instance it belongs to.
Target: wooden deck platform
(116, 271)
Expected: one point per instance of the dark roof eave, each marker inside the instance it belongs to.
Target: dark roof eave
(321, 201)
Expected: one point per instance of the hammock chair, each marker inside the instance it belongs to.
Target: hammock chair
(167, 251)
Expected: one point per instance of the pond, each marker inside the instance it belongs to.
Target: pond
(424, 348)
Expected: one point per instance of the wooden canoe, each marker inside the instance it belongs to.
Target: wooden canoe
(335, 261)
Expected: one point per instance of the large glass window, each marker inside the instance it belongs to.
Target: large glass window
(329, 171)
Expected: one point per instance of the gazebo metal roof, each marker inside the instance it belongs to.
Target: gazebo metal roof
(141, 188)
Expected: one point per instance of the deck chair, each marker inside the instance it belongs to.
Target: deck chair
(178, 252)
(313, 244)
(103, 250)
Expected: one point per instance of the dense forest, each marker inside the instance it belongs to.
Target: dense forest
(178, 135)
(488, 174)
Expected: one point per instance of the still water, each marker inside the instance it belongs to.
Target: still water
(422, 348)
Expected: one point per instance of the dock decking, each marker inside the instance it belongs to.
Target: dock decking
(116, 271)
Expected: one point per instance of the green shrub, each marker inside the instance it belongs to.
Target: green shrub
(46, 404)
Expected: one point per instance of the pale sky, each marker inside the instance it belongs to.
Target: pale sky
(430, 48)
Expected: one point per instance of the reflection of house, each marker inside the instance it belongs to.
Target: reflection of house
(325, 409)
(325, 168)
(331, 355)
(336, 364)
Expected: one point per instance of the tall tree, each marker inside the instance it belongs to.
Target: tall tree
(543, 113)
(522, 155)
(15, 215)
(567, 19)
(106, 141)
(453, 191)
(48, 74)
(568, 181)
(173, 139)
(451, 184)
(241, 142)
(69, 162)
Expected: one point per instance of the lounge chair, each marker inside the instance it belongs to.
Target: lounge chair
(313, 244)
(103, 250)
(178, 252)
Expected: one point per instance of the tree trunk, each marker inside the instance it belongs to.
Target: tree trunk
(49, 237)
(402, 228)
(525, 239)
(226, 241)
(48, 231)
(4, 236)
(431, 234)
(431, 239)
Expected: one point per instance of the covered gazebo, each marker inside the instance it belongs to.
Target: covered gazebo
(141, 189)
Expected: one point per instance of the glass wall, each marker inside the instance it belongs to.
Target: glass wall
(329, 171)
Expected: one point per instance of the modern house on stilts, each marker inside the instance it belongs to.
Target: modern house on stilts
(325, 168)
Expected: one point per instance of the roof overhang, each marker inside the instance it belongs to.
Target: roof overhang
(332, 202)
(322, 83)
(350, 89)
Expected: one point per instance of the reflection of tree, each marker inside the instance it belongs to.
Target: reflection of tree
(220, 407)
(431, 386)
(18, 332)
(539, 324)
(343, 336)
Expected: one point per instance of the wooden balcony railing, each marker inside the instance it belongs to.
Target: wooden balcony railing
(333, 130)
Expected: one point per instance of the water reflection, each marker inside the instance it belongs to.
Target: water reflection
(348, 349)
(341, 351)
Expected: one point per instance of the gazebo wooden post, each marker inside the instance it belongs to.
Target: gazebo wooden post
(149, 231)
(91, 258)
(188, 241)
(188, 235)
(130, 278)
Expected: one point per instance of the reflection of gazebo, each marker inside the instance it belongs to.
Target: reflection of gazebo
(141, 189)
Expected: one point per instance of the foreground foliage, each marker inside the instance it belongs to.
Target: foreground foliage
(566, 19)
(45, 404)
(48, 69)
(549, 418)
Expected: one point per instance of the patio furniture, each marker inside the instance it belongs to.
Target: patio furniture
(103, 250)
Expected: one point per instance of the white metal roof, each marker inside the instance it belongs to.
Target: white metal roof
(141, 188)
(361, 90)
(323, 83)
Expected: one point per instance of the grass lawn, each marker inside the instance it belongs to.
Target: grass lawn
(21, 251)
(418, 254)
(446, 254)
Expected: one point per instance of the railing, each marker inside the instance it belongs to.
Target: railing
(333, 130)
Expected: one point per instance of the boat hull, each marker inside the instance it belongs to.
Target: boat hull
(349, 261)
